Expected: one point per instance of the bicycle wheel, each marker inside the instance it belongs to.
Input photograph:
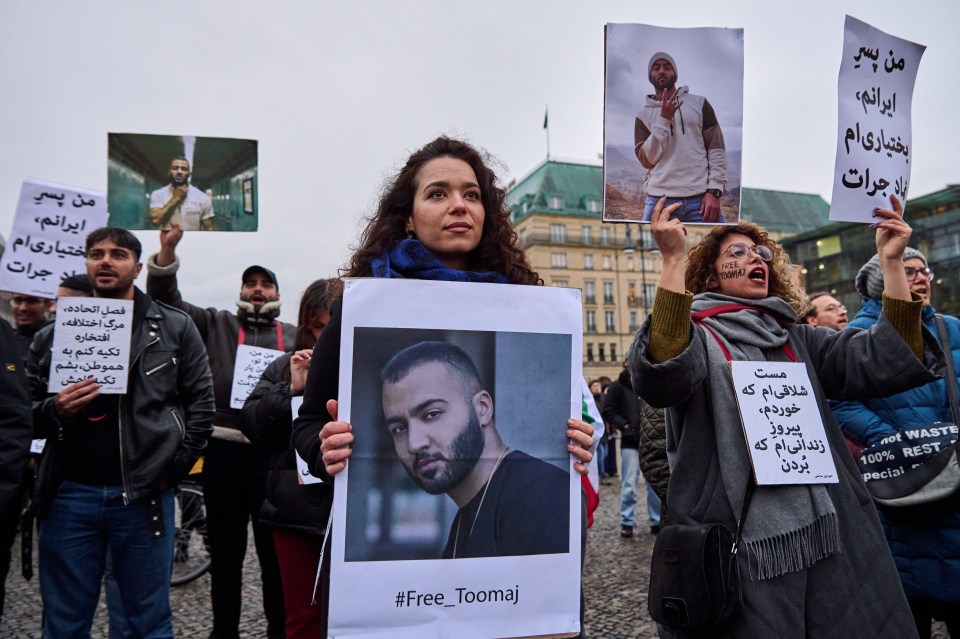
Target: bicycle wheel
(191, 552)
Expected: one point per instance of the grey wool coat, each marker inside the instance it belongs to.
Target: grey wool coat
(853, 594)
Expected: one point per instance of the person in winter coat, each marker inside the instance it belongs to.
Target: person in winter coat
(813, 560)
(623, 409)
(296, 512)
(925, 548)
(653, 456)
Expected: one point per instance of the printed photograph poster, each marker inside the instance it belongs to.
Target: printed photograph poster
(874, 138)
(458, 514)
(200, 183)
(48, 239)
(672, 122)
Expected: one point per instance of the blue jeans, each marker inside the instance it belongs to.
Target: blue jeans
(653, 506)
(629, 474)
(689, 210)
(85, 523)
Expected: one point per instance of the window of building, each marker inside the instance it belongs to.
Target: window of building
(561, 283)
(558, 260)
(607, 292)
(607, 263)
(523, 207)
(649, 291)
(613, 352)
(591, 321)
(589, 292)
(586, 235)
(633, 322)
(555, 202)
(631, 292)
(593, 206)
(605, 236)
(608, 317)
(589, 352)
(588, 262)
(600, 353)
(558, 234)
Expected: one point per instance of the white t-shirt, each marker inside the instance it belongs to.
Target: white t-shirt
(196, 208)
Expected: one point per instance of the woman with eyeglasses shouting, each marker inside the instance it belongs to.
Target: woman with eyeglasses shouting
(813, 560)
(925, 548)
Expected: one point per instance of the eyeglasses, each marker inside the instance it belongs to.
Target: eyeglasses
(740, 250)
(833, 308)
(913, 272)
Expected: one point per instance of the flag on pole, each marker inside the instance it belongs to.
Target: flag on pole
(545, 119)
(591, 482)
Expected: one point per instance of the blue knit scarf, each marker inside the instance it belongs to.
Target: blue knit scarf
(410, 259)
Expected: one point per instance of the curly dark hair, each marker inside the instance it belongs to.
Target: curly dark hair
(702, 258)
(498, 250)
(315, 300)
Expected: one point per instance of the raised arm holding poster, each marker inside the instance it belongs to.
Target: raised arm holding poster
(49, 230)
(874, 143)
(458, 513)
(91, 339)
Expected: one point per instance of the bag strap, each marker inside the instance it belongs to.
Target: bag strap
(951, 374)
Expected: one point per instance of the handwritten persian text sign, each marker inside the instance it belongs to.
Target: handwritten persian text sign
(49, 232)
(782, 424)
(91, 339)
(874, 145)
(251, 362)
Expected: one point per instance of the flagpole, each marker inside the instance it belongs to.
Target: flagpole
(546, 126)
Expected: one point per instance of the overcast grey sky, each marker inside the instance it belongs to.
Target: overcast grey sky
(337, 94)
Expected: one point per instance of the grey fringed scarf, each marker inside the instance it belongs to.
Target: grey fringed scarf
(788, 528)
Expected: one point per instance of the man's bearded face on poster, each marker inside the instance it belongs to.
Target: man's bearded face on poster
(435, 428)
(663, 75)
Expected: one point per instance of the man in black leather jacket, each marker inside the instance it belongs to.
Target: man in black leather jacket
(106, 478)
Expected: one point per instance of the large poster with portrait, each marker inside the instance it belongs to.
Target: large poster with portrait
(672, 122)
(458, 514)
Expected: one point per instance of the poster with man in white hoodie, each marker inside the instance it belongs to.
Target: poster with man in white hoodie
(683, 146)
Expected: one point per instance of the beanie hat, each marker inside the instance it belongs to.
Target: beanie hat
(869, 280)
(660, 55)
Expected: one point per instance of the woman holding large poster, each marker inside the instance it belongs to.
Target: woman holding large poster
(442, 217)
(814, 561)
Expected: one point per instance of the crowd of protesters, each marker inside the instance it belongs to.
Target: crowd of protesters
(102, 492)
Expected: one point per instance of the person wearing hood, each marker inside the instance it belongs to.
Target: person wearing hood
(677, 138)
(234, 471)
(926, 549)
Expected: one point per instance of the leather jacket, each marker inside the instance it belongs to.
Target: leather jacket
(165, 417)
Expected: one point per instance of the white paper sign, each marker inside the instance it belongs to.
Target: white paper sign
(401, 566)
(250, 364)
(303, 470)
(782, 424)
(874, 143)
(91, 338)
(37, 445)
(49, 232)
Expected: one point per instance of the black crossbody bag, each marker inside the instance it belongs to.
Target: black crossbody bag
(694, 577)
